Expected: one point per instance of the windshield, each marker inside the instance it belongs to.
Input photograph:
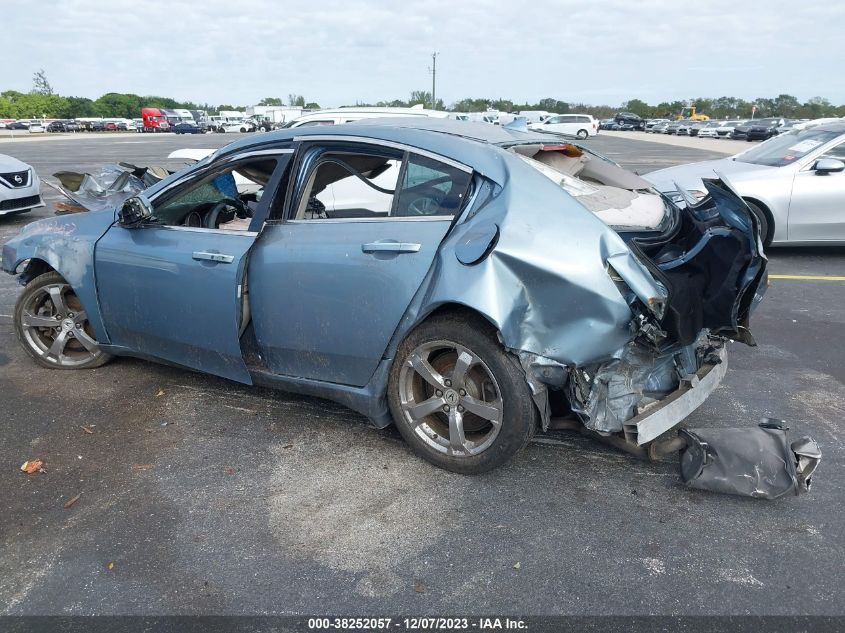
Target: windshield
(786, 149)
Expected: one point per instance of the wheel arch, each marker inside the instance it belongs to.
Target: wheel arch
(33, 268)
(770, 219)
(485, 321)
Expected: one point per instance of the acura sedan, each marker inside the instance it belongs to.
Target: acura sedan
(794, 183)
(466, 282)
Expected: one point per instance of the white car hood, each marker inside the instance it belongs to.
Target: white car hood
(689, 176)
(9, 164)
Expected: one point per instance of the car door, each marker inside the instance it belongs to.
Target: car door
(330, 282)
(172, 291)
(817, 205)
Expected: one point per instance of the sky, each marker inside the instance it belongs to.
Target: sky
(338, 52)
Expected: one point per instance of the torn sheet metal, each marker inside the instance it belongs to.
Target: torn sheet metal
(109, 186)
(540, 373)
(754, 462)
(607, 396)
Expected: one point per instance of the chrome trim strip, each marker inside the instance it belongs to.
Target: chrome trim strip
(431, 218)
(197, 229)
(394, 145)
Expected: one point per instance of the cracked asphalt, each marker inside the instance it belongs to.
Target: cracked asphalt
(202, 496)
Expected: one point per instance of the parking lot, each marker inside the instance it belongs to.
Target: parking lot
(199, 495)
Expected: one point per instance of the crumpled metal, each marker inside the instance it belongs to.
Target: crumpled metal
(754, 462)
(610, 394)
(107, 187)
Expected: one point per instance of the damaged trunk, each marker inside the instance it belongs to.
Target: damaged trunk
(712, 264)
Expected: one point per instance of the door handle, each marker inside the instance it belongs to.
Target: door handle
(391, 247)
(213, 257)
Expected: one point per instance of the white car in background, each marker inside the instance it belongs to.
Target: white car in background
(726, 128)
(580, 125)
(235, 126)
(708, 130)
(20, 187)
(337, 116)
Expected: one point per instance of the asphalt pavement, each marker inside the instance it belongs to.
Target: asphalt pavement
(198, 495)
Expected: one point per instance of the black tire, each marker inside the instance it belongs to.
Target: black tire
(766, 227)
(582, 134)
(35, 340)
(518, 418)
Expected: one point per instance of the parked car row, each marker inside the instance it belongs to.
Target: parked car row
(736, 129)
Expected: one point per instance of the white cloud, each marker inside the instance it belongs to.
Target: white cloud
(336, 51)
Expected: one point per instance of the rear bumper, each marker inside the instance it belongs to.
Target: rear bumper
(669, 412)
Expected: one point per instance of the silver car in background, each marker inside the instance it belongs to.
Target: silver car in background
(794, 183)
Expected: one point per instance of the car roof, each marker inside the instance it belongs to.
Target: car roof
(464, 141)
(829, 127)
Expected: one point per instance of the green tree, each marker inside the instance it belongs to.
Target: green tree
(786, 105)
(40, 85)
(115, 104)
(78, 107)
(271, 101)
(312, 105)
(296, 100)
(638, 107)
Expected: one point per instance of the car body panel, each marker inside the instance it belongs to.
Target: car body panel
(342, 304)
(157, 299)
(66, 244)
(817, 206)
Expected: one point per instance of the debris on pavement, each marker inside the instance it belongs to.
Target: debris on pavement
(419, 587)
(87, 430)
(72, 500)
(754, 462)
(33, 466)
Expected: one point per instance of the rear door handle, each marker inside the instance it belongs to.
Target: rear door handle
(213, 257)
(391, 247)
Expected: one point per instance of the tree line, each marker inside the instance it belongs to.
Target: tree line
(42, 101)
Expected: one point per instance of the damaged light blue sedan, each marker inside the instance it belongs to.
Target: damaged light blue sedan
(468, 283)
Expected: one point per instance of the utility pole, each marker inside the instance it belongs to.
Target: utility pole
(433, 71)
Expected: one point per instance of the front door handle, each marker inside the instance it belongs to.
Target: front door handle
(213, 257)
(391, 247)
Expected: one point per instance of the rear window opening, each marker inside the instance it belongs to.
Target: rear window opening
(620, 199)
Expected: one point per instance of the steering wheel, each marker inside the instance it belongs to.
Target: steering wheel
(425, 201)
(212, 218)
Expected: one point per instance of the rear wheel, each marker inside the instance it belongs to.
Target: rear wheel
(583, 134)
(458, 398)
(53, 327)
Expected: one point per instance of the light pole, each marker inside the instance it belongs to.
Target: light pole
(433, 71)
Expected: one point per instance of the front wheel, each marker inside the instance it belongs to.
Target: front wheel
(53, 327)
(766, 232)
(458, 398)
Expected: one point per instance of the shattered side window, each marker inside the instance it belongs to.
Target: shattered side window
(221, 200)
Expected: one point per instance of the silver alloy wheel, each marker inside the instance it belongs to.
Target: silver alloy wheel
(55, 327)
(450, 398)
